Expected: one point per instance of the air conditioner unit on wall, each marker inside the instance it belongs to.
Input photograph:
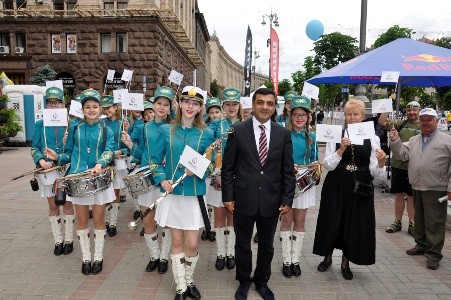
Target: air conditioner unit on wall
(4, 49)
(20, 50)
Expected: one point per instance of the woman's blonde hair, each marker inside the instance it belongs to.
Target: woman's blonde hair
(198, 119)
(355, 104)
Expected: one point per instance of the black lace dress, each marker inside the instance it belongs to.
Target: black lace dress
(346, 221)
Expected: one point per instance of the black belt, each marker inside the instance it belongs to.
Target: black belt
(352, 168)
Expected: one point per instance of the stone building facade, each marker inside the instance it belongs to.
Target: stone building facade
(81, 40)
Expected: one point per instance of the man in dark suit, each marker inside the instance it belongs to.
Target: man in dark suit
(258, 184)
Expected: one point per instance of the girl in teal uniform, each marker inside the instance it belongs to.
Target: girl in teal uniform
(90, 145)
(53, 138)
(149, 134)
(305, 152)
(180, 210)
(225, 233)
(284, 118)
(114, 122)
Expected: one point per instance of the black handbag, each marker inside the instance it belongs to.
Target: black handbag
(360, 188)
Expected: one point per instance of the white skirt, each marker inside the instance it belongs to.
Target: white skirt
(180, 212)
(45, 182)
(305, 200)
(103, 197)
(46, 190)
(118, 180)
(213, 197)
(149, 198)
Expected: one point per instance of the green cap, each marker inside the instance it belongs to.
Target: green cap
(289, 95)
(89, 94)
(147, 105)
(213, 102)
(54, 93)
(302, 102)
(107, 101)
(151, 100)
(231, 94)
(77, 98)
(164, 91)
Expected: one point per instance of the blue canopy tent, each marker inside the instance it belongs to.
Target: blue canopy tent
(419, 64)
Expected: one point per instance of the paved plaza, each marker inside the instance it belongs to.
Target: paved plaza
(29, 270)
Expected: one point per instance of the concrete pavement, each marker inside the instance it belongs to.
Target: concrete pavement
(29, 270)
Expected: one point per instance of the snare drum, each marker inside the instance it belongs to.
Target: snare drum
(46, 177)
(304, 181)
(140, 181)
(85, 185)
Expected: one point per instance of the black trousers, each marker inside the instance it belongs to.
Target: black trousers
(266, 228)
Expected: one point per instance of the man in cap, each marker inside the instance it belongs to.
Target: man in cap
(429, 156)
(400, 185)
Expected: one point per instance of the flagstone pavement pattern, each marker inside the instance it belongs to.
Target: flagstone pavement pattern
(29, 270)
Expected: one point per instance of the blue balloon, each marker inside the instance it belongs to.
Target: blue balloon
(314, 29)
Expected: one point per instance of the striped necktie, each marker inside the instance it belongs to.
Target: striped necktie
(262, 147)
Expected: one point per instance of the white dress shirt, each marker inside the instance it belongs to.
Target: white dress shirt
(258, 131)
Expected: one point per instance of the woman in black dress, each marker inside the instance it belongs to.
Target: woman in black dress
(346, 220)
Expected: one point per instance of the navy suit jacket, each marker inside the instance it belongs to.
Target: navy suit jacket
(255, 188)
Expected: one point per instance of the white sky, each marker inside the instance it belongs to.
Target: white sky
(230, 18)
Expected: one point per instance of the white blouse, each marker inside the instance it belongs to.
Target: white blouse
(332, 159)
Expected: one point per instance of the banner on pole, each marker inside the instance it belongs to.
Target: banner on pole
(248, 63)
(274, 60)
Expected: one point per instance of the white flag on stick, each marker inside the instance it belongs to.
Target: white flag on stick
(54, 83)
(127, 75)
(119, 95)
(76, 109)
(110, 76)
(175, 77)
(194, 161)
(133, 101)
(55, 117)
(310, 91)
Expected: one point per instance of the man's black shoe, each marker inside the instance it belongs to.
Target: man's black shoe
(241, 292)
(265, 292)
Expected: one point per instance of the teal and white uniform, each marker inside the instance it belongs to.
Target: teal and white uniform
(181, 208)
(87, 146)
(54, 139)
(219, 127)
(304, 154)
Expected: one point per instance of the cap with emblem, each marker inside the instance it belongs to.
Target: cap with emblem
(77, 98)
(89, 94)
(193, 93)
(413, 104)
(231, 94)
(302, 102)
(148, 105)
(107, 101)
(289, 96)
(211, 102)
(54, 93)
(164, 91)
(428, 112)
(151, 99)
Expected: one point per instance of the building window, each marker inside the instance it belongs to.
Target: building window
(105, 42)
(70, 7)
(4, 39)
(58, 4)
(21, 41)
(121, 42)
(56, 43)
(108, 8)
(21, 3)
(8, 4)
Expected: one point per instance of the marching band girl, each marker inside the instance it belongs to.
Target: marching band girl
(114, 122)
(181, 211)
(90, 145)
(284, 118)
(149, 134)
(225, 233)
(53, 138)
(305, 152)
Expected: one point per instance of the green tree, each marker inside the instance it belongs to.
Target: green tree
(43, 74)
(284, 86)
(332, 49)
(214, 88)
(310, 70)
(444, 42)
(393, 33)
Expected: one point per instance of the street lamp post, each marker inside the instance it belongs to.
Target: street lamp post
(256, 55)
(273, 19)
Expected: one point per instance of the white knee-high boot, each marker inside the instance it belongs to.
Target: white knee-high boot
(285, 239)
(136, 204)
(113, 214)
(55, 223)
(230, 241)
(165, 244)
(220, 241)
(190, 266)
(99, 242)
(296, 245)
(152, 244)
(69, 228)
(178, 270)
(108, 209)
(85, 244)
